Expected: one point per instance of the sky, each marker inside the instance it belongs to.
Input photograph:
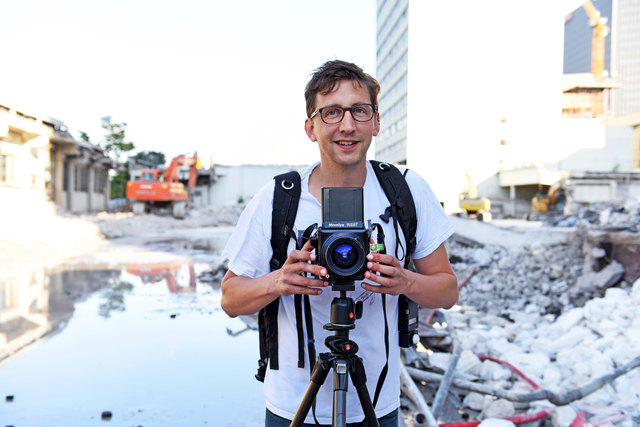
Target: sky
(223, 78)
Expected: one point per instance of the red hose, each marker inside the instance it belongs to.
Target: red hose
(464, 282)
(484, 357)
(517, 419)
(580, 420)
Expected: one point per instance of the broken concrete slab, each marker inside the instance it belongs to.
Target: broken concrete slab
(592, 281)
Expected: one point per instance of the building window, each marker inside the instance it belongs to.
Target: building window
(100, 181)
(6, 169)
(65, 177)
(81, 178)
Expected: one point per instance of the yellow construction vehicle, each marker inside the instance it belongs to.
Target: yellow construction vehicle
(471, 204)
(551, 203)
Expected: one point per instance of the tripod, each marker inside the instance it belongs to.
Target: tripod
(343, 360)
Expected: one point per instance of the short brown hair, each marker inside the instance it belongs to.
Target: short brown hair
(325, 78)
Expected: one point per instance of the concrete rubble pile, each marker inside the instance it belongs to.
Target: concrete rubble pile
(122, 224)
(499, 281)
(604, 216)
(547, 330)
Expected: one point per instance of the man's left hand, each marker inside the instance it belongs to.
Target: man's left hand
(393, 279)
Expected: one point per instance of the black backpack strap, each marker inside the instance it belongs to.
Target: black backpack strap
(402, 207)
(285, 207)
(403, 211)
(267, 330)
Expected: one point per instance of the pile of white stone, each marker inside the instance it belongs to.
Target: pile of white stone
(558, 354)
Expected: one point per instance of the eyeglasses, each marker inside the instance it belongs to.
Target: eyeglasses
(334, 114)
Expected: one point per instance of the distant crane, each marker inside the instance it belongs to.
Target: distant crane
(600, 32)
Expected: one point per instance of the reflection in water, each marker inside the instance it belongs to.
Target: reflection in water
(41, 301)
(146, 342)
(175, 273)
(250, 322)
(38, 302)
(114, 296)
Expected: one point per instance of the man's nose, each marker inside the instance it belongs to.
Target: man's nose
(348, 124)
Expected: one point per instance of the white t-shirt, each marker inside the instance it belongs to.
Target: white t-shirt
(249, 251)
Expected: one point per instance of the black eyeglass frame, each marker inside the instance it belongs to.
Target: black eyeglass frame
(344, 110)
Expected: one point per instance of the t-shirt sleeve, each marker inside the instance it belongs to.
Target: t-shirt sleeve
(434, 226)
(249, 249)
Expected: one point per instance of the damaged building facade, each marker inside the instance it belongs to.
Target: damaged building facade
(42, 167)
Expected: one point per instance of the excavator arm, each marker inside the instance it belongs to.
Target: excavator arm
(171, 173)
(600, 32)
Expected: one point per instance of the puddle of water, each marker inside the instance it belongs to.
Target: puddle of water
(147, 342)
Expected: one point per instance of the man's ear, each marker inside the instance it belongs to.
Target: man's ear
(376, 125)
(309, 129)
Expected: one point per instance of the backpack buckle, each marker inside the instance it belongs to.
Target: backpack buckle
(274, 264)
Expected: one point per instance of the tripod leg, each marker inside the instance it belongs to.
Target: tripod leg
(318, 376)
(340, 384)
(359, 379)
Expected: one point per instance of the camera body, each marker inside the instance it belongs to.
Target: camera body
(342, 243)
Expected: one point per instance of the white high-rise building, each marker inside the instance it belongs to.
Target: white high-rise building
(468, 87)
(392, 53)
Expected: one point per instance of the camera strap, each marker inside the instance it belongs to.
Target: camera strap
(385, 368)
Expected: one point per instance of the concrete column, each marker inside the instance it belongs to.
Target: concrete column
(107, 191)
(58, 180)
(91, 178)
(70, 172)
(512, 196)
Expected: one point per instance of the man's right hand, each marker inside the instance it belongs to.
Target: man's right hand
(290, 278)
(244, 295)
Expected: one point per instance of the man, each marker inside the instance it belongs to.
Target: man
(342, 118)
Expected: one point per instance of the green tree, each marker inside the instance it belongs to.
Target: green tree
(114, 144)
(118, 184)
(84, 136)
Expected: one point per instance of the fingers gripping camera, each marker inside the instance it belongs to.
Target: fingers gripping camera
(342, 243)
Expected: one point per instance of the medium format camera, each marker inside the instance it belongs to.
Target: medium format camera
(342, 243)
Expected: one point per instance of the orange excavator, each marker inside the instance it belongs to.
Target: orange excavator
(158, 189)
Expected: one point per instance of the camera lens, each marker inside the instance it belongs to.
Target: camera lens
(345, 255)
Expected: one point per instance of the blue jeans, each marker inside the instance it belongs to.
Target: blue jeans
(272, 420)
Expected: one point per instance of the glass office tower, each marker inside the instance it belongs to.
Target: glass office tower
(392, 55)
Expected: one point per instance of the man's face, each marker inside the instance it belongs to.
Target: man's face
(344, 143)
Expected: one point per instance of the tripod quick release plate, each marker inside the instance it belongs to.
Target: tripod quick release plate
(341, 345)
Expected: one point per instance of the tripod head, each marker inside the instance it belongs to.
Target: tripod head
(344, 313)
